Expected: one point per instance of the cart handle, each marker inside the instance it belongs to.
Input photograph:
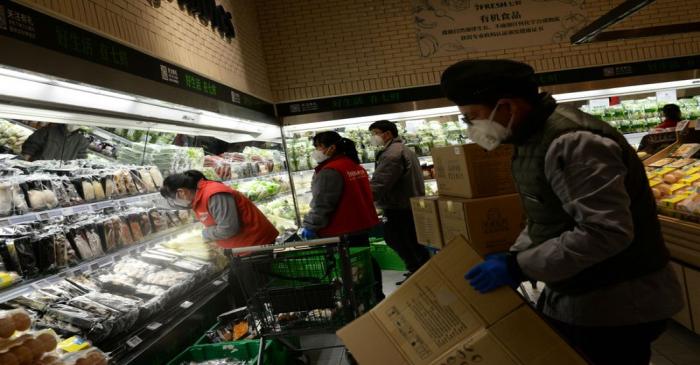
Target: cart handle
(317, 242)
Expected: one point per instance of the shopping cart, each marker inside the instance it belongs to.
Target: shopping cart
(306, 287)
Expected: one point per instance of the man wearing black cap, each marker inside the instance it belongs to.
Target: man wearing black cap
(593, 235)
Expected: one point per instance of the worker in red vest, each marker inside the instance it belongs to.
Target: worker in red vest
(230, 218)
(342, 202)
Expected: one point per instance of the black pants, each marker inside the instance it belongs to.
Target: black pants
(400, 235)
(362, 240)
(622, 345)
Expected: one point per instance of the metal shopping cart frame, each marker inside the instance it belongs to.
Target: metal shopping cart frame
(324, 271)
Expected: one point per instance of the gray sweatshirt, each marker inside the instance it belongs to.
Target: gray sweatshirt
(587, 173)
(222, 207)
(326, 189)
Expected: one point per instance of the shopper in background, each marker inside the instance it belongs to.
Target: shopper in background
(341, 203)
(593, 235)
(231, 220)
(397, 178)
(672, 115)
(56, 142)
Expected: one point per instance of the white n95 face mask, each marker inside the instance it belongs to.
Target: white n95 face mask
(318, 156)
(377, 140)
(488, 133)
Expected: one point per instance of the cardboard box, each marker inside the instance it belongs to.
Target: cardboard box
(682, 317)
(432, 316)
(427, 219)
(469, 171)
(532, 341)
(480, 348)
(692, 283)
(489, 224)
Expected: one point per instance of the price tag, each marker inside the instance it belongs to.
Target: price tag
(94, 266)
(186, 304)
(154, 326)
(80, 209)
(134, 341)
(27, 218)
(666, 96)
(217, 282)
(599, 103)
(55, 213)
(44, 216)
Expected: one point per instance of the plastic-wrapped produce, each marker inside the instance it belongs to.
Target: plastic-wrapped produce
(88, 190)
(136, 178)
(5, 198)
(94, 241)
(8, 253)
(80, 243)
(135, 226)
(125, 238)
(109, 233)
(61, 194)
(158, 222)
(18, 199)
(45, 251)
(26, 256)
(99, 327)
(156, 175)
(134, 268)
(61, 247)
(167, 278)
(120, 182)
(145, 222)
(111, 190)
(148, 291)
(98, 189)
(184, 215)
(148, 183)
(117, 283)
(36, 197)
(173, 219)
(157, 258)
(73, 194)
(62, 327)
(130, 184)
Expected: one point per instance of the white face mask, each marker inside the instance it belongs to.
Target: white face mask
(318, 156)
(488, 133)
(182, 203)
(377, 140)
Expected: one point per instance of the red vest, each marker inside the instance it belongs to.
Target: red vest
(355, 211)
(255, 228)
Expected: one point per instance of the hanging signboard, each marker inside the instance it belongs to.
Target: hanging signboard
(457, 26)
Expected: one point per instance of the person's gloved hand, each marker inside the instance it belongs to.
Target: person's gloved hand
(308, 234)
(495, 272)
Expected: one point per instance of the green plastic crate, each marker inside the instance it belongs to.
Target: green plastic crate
(386, 257)
(244, 350)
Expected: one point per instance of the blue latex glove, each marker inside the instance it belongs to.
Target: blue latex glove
(491, 274)
(308, 234)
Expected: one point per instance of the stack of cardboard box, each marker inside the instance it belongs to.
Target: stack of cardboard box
(477, 200)
(436, 317)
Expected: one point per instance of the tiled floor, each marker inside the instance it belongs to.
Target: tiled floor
(677, 346)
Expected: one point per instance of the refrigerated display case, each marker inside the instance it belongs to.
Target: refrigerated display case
(89, 246)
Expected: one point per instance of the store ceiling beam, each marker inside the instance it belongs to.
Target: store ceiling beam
(620, 12)
(647, 32)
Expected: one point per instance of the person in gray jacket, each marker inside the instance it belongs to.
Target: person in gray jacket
(396, 179)
(593, 236)
(56, 142)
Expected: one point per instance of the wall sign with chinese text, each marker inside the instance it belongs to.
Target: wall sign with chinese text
(28, 25)
(457, 26)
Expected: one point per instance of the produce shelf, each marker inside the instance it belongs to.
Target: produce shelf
(29, 286)
(82, 208)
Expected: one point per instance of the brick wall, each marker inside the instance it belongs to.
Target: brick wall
(317, 48)
(171, 34)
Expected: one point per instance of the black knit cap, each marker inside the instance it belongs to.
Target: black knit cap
(486, 81)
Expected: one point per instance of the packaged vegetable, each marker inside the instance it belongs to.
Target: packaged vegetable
(25, 254)
(145, 222)
(135, 226)
(94, 240)
(125, 238)
(80, 243)
(98, 189)
(156, 176)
